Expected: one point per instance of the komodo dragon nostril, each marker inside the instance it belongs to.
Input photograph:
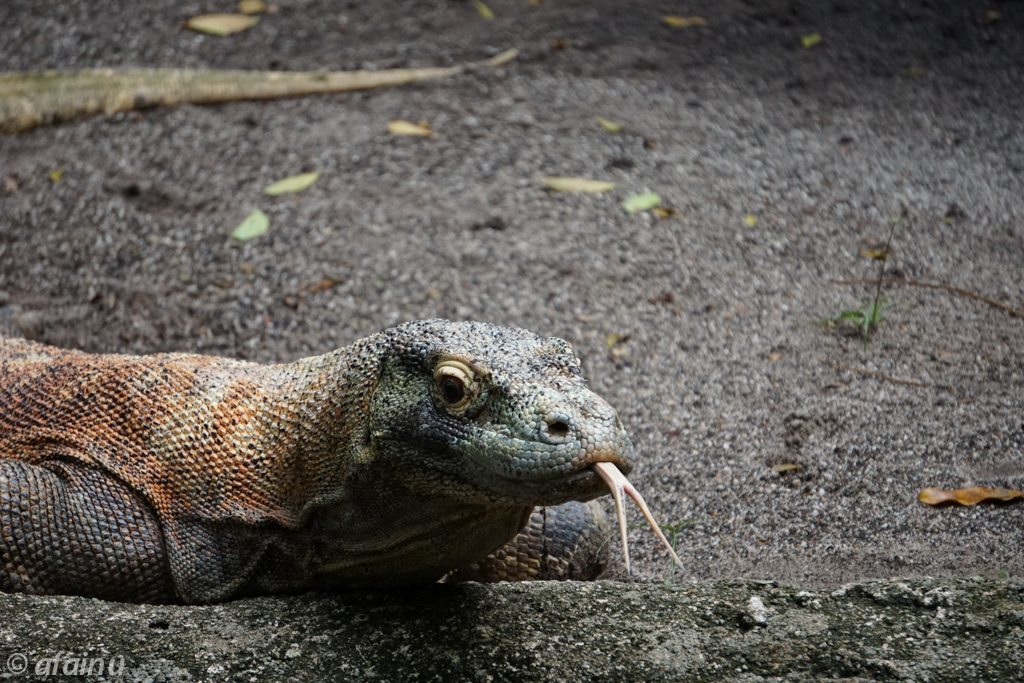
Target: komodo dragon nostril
(558, 429)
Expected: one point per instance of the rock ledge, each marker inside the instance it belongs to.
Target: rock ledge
(896, 630)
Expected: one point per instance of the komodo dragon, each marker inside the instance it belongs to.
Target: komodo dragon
(393, 461)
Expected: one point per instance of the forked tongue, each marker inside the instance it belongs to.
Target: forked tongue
(618, 483)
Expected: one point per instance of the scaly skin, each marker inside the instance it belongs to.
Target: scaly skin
(386, 463)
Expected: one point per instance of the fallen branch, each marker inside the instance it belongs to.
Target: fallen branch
(931, 285)
(880, 375)
(30, 100)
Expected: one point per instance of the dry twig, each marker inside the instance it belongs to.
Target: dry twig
(931, 285)
(890, 378)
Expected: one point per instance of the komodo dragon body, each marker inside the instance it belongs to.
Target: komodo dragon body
(389, 462)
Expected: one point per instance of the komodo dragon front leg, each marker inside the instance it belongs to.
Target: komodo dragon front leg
(390, 462)
(68, 529)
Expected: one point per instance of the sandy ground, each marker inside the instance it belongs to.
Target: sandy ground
(909, 109)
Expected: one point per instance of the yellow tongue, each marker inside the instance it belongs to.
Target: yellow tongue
(618, 483)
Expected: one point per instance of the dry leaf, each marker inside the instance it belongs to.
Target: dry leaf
(609, 126)
(810, 40)
(251, 6)
(247, 268)
(559, 44)
(774, 356)
(786, 467)
(641, 202)
(221, 24)
(295, 183)
(255, 224)
(324, 284)
(682, 22)
(55, 175)
(665, 212)
(399, 127)
(750, 219)
(613, 340)
(663, 298)
(10, 185)
(877, 254)
(968, 496)
(559, 184)
(483, 9)
(503, 57)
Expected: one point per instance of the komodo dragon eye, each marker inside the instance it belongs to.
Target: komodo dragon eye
(454, 382)
(452, 389)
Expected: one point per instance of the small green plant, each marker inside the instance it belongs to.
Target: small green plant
(868, 315)
(672, 531)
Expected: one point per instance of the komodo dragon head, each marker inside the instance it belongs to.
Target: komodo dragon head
(495, 415)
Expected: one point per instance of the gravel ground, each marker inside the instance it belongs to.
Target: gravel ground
(908, 109)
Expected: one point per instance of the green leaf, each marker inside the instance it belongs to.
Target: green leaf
(855, 316)
(221, 24)
(399, 127)
(610, 126)
(295, 183)
(810, 40)
(253, 226)
(641, 202)
(559, 184)
(251, 6)
(483, 9)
